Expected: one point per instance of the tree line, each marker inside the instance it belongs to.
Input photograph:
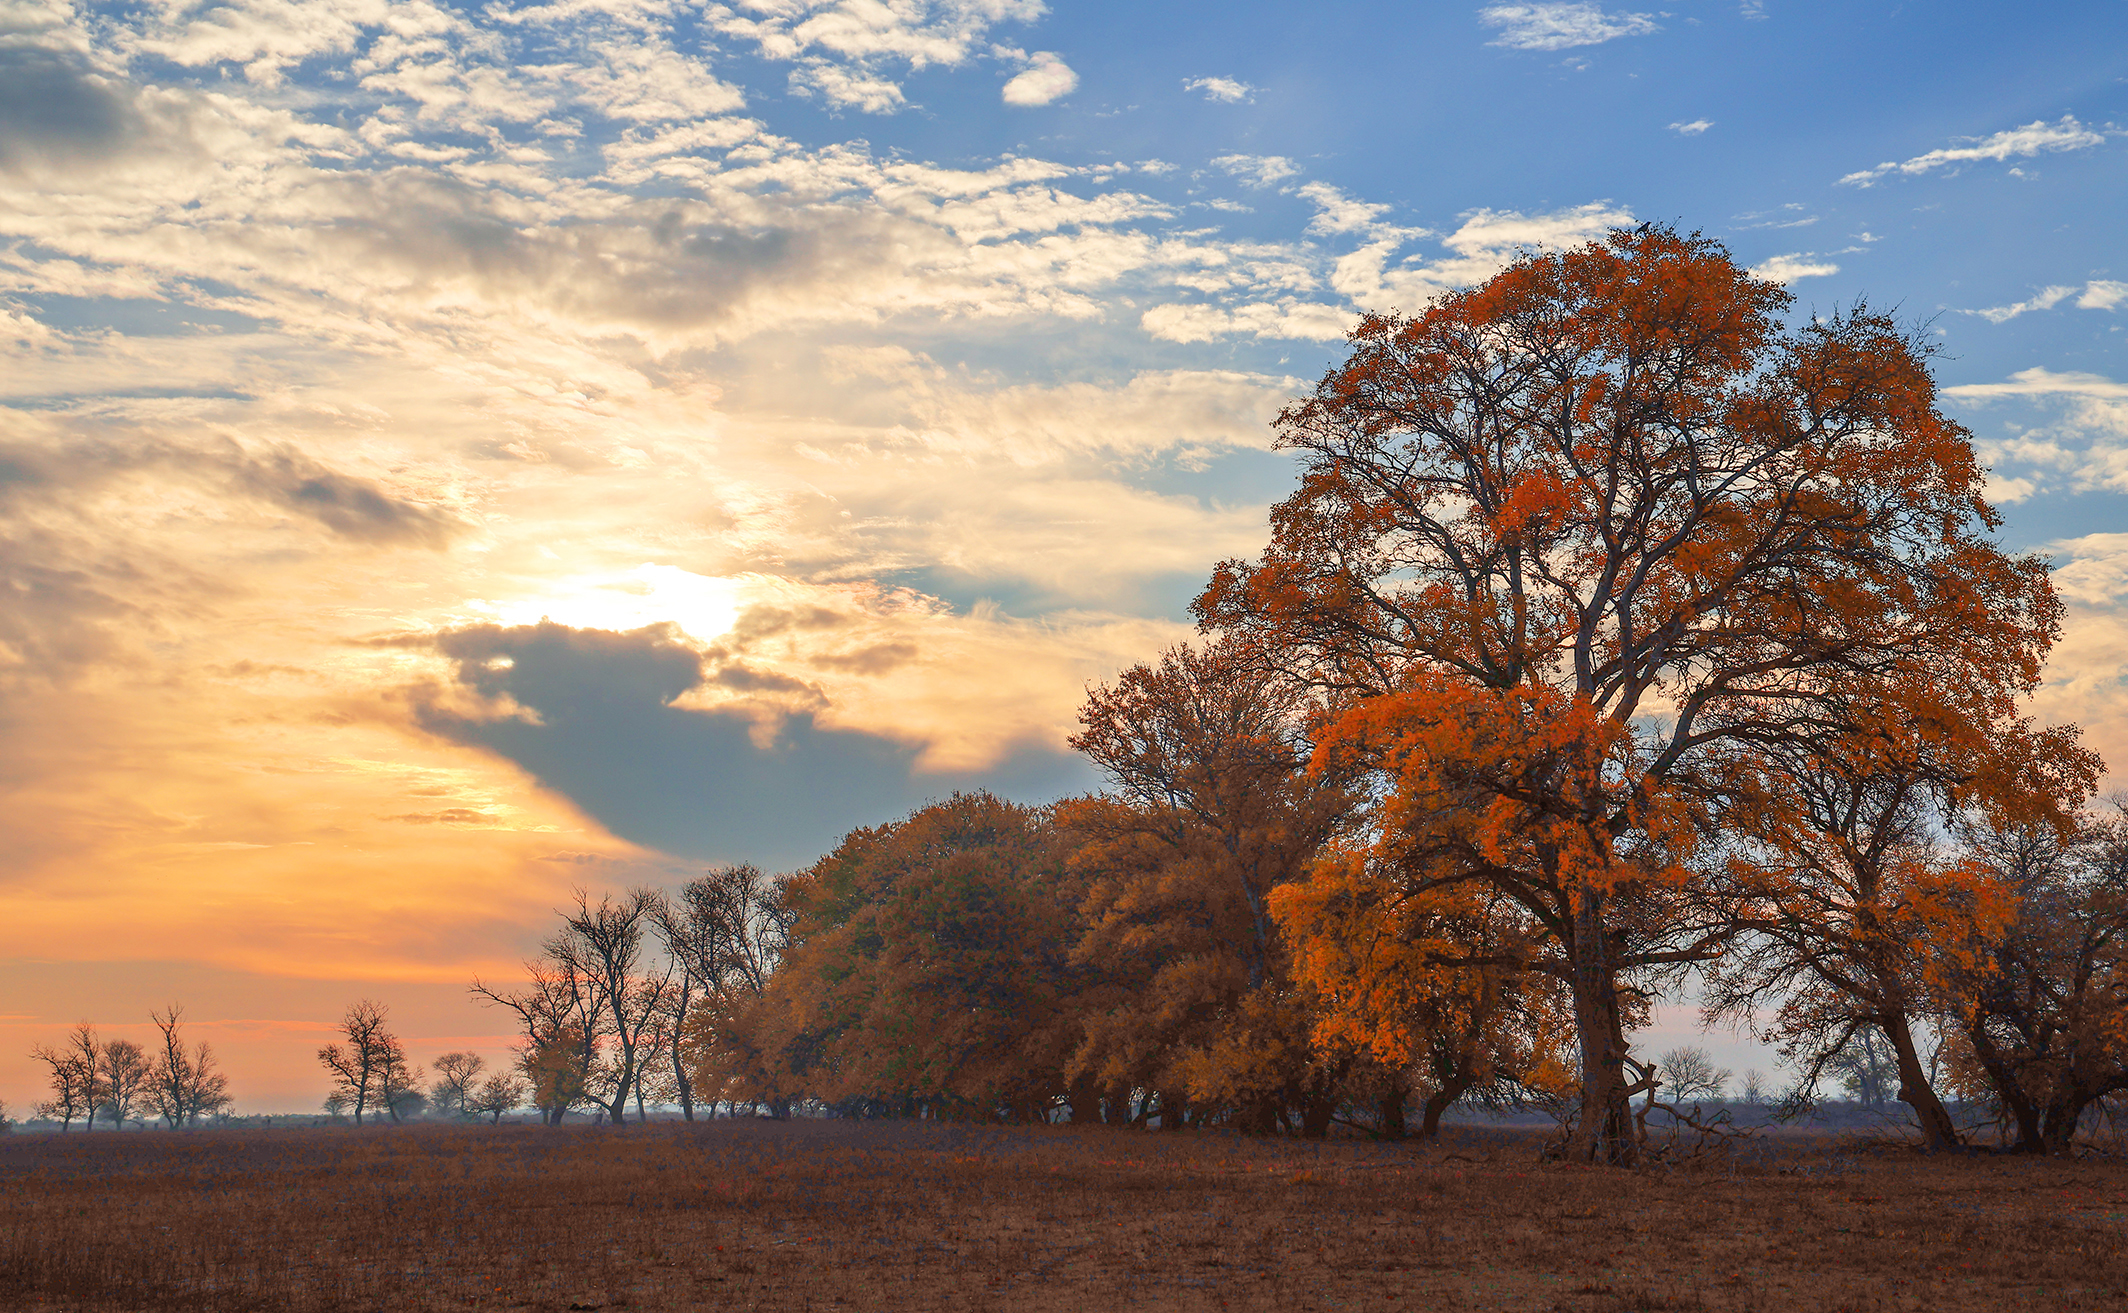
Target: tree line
(1618, 636)
(118, 1080)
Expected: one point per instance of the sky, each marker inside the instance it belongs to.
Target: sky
(452, 454)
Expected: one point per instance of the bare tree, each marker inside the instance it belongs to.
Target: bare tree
(1866, 1068)
(73, 1084)
(457, 1077)
(363, 1068)
(725, 931)
(182, 1087)
(125, 1071)
(603, 945)
(1755, 1087)
(1687, 1073)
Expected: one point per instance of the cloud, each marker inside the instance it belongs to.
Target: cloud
(1561, 26)
(1257, 170)
(1336, 212)
(1692, 129)
(1794, 265)
(1226, 90)
(2024, 142)
(2096, 295)
(2079, 442)
(1046, 79)
(592, 714)
(1292, 320)
(843, 88)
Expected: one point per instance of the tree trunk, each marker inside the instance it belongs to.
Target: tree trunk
(1938, 1131)
(679, 1070)
(2014, 1100)
(1172, 1105)
(1604, 1133)
(1436, 1104)
(1393, 1109)
(1085, 1098)
(1116, 1106)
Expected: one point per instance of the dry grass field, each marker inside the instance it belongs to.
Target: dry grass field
(828, 1215)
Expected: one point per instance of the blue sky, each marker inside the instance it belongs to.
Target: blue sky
(448, 453)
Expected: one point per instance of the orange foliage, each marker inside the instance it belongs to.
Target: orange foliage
(1573, 549)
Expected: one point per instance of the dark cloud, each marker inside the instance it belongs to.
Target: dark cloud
(54, 112)
(604, 732)
(350, 507)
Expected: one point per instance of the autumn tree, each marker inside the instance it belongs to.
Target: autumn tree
(926, 968)
(370, 1063)
(1431, 985)
(1212, 808)
(183, 1086)
(561, 1026)
(2045, 1018)
(1570, 545)
(1858, 917)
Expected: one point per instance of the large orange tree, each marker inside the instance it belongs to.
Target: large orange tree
(1573, 547)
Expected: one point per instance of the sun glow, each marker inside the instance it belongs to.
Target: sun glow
(703, 606)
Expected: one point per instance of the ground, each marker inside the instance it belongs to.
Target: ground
(859, 1215)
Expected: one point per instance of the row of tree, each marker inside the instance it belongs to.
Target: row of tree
(1618, 634)
(118, 1080)
(371, 1076)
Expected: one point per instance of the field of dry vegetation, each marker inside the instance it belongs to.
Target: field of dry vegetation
(828, 1214)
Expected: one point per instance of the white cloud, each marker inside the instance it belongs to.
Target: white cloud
(1692, 129)
(1485, 243)
(2029, 140)
(1047, 78)
(2080, 442)
(1561, 26)
(2047, 299)
(1797, 264)
(1291, 320)
(2103, 295)
(1258, 170)
(1229, 90)
(845, 88)
(1336, 212)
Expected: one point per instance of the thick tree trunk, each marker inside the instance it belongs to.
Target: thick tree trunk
(1938, 1131)
(2014, 1100)
(1116, 1106)
(1605, 1131)
(1172, 1106)
(1436, 1104)
(1393, 1109)
(1085, 1097)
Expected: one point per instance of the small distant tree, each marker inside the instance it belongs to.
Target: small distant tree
(71, 1085)
(499, 1093)
(1755, 1087)
(1688, 1073)
(125, 1072)
(457, 1079)
(182, 1087)
(76, 1077)
(371, 1066)
(1866, 1068)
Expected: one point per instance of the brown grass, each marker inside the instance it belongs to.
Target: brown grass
(827, 1215)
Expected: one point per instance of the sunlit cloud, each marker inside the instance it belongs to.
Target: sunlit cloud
(2032, 139)
(1046, 80)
